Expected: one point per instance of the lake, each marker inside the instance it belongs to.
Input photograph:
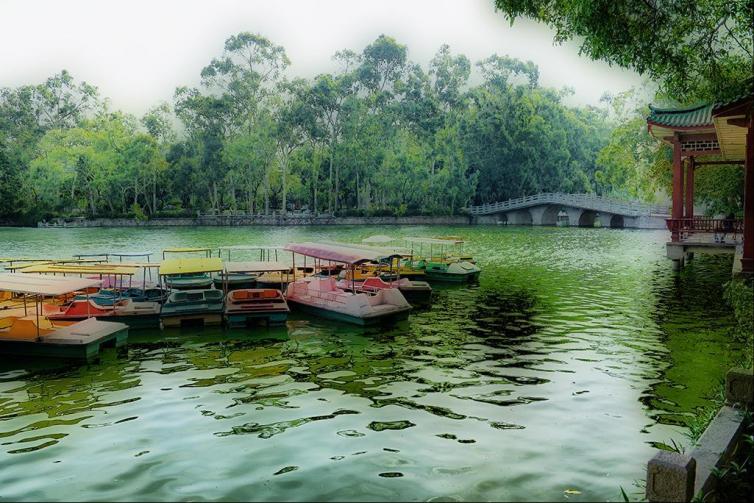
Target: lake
(552, 378)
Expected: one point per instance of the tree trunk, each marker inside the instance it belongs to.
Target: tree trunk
(284, 166)
(154, 192)
(316, 179)
(267, 192)
(330, 198)
(337, 187)
(91, 202)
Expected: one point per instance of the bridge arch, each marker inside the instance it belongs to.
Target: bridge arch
(587, 218)
(617, 222)
(550, 215)
(519, 217)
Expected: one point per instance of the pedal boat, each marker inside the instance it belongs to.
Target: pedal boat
(186, 280)
(133, 314)
(196, 306)
(320, 295)
(417, 293)
(452, 272)
(248, 305)
(442, 265)
(189, 307)
(32, 334)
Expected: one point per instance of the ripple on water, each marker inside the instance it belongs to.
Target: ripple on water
(574, 340)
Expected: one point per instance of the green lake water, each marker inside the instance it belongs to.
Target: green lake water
(552, 378)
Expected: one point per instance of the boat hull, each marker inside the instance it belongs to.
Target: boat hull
(417, 296)
(81, 341)
(452, 277)
(382, 318)
(191, 307)
(242, 320)
(140, 321)
(205, 319)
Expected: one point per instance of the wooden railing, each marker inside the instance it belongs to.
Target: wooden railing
(585, 201)
(722, 228)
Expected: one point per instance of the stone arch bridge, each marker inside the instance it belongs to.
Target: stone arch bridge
(582, 210)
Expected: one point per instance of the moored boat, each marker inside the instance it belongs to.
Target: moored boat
(187, 307)
(248, 305)
(33, 334)
(202, 306)
(133, 314)
(453, 272)
(417, 293)
(441, 265)
(243, 307)
(320, 295)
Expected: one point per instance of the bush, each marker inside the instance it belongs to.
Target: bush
(138, 213)
(381, 212)
(739, 293)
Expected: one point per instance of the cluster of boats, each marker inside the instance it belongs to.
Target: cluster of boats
(99, 298)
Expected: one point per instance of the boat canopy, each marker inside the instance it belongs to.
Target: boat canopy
(256, 266)
(24, 265)
(190, 266)
(43, 285)
(144, 265)
(249, 247)
(10, 260)
(132, 254)
(384, 252)
(378, 239)
(102, 269)
(186, 250)
(334, 252)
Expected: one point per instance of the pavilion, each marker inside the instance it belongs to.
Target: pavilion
(708, 135)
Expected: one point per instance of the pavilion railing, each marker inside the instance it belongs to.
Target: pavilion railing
(722, 228)
(585, 201)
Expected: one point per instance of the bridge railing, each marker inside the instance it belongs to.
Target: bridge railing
(586, 201)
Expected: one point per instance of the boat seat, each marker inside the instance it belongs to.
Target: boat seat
(26, 329)
(375, 282)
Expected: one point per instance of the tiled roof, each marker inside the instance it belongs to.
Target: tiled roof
(695, 116)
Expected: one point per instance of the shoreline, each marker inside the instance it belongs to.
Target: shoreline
(262, 220)
(641, 222)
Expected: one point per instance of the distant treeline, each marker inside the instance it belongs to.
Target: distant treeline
(381, 136)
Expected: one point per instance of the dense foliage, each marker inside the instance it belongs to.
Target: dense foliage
(696, 51)
(382, 135)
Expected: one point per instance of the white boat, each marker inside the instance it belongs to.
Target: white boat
(321, 296)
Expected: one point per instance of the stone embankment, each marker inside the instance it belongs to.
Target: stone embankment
(240, 220)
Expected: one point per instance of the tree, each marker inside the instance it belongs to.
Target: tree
(449, 74)
(695, 50)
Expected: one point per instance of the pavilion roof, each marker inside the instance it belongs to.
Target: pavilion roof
(697, 116)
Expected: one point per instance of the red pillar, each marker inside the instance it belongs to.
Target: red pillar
(747, 260)
(690, 187)
(677, 212)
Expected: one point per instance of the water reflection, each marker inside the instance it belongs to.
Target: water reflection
(574, 340)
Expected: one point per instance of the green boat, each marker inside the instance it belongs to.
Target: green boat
(235, 281)
(193, 306)
(195, 281)
(451, 272)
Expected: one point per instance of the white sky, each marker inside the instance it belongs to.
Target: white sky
(137, 52)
